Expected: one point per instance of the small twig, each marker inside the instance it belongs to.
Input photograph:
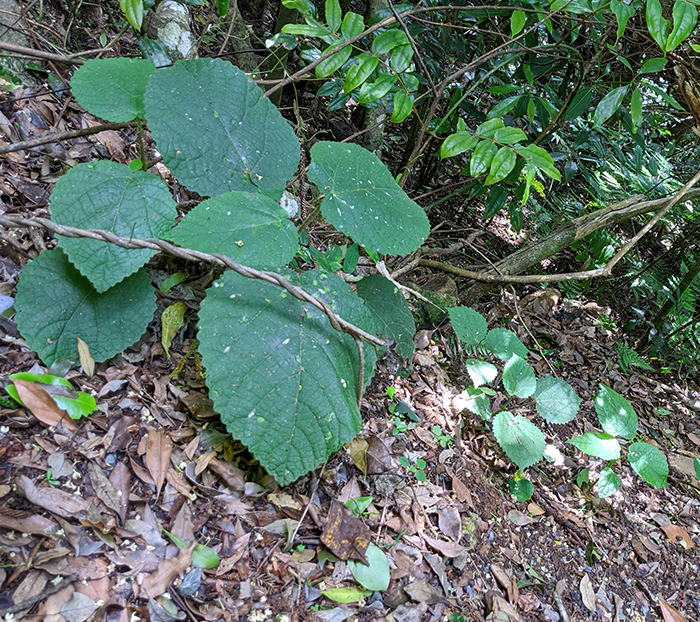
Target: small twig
(54, 137)
(68, 59)
(529, 332)
(313, 487)
(33, 600)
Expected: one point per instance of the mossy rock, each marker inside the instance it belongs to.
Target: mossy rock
(441, 290)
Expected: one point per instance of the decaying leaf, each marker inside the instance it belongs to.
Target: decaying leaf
(678, 535)
(669, 613)
(171, 322)
(345, 534)
(448, 549)
(86, 360)
(587, 593)
(357, 449)
(159, 581)
(52, 499)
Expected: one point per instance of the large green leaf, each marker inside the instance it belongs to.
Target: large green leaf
(283, 380)
(622, 12)
(107, 195)
(520, 439)
(608, 105)
(608, 482)
(250, 228)
(519, 378)
(649, 463)
(358, 73)
(333, 63)
(501, 165)
(685, 17)
(375, 575)
(615, 413)
(480, 372)
(56, 305)
(555, 400)
(482, 157)
(457, 143)
(216, 131)
(363, 200)
(390, 311)
(597, 444)
(657, 24)
(504, 343)
(469, 325)
(112, 88)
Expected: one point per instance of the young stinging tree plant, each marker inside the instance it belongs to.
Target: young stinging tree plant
(556, 402)
(284, 381)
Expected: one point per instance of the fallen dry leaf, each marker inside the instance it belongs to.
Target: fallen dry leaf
(86, 360)
(678, 535)
(448, 549)
(103, 488)
(357, 448)
(159, 581)
(42, 405)
(158, 450)
(52, 499)
(669, 613)
(587, 593)
(120, 480)
(24, 522)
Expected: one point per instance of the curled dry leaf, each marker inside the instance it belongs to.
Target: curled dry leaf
(448, 549)
(159, 581)
(345, 534)
(86, 360)
(587, 593)
(42, 405)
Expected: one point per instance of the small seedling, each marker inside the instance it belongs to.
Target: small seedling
(359, 505)
(49, 477)
(418, 469)
(444, 439)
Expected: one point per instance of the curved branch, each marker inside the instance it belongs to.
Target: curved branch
(54, 137)
(337, 322)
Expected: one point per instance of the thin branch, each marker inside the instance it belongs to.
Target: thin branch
(569, 276)
(336, 321)
(54, 137)
(68, 59)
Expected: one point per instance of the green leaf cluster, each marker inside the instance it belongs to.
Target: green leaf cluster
(555, 400)
(285, 381)
(618, 419)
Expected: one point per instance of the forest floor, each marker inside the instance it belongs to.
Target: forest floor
(83, 507)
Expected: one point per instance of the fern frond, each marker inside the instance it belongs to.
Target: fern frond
(629, 358)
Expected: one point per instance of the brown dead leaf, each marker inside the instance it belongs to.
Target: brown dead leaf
(587, 593)
(345, 535)
(377, 456)
(86, 360)
(678, 535)
(103, 488)
(508, 584)
(421, 591)
(52, 499)
(157, 458)
(669, 613)
(233, 477)
(24, 522)
(450, 523)
(520, 518)
(158, 582)
(120, 479)
(357, 449)
(535, 509)
(42, 405)
(448, 549)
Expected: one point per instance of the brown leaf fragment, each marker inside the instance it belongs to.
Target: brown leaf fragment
(357, 450)
(448, 549)
(79, 608)
(450, 523)
(86, 360)
(678, 535)
(24, 522)
(42, 405)
(508, 584)
(377, 456)
(520, 518)
(460, 489)
(669, 613)
(233, 477)
(52, 499)
(141, 473)
(157, 458)
(421, 591)
(158, 582)
(345, 535)
(103, 488)
(587, 593)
